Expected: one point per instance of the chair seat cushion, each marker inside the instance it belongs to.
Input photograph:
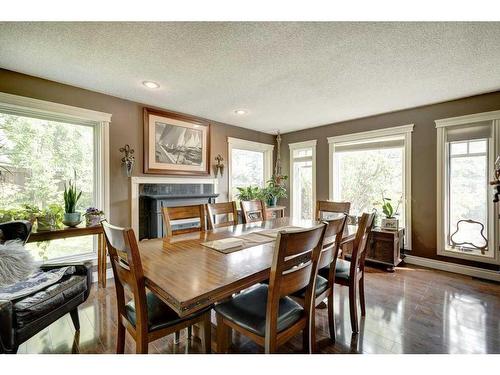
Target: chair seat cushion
(342, 270)
(321, 286)
(43, 302)
(159, 314)
(248, 310)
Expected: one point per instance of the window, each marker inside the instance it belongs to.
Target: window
(40, 152)
(302, 179)
(250, 164)
(466, 224)
(366, 167)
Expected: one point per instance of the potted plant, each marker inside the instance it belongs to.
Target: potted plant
(248, 193)
(93, 216)
(71, 197)
(50, 218)
(274, 190)
(389, 222)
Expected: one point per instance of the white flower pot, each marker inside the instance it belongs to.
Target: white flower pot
(390, 224)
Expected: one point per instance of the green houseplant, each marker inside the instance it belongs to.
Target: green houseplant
(71, 197)
(248, 193)
(274, 190)
(390, 222)
(50, 218)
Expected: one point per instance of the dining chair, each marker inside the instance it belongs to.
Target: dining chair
(183, 212)
(352, 273)
(265, 313)
(253, 211)
(333, 207)
(228, 209)
(145, 316)
(327, 260)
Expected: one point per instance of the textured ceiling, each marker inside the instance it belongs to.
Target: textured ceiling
(288, 76)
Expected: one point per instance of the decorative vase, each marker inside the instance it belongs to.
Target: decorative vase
(390, 224)
(271, 202)
(92, 220)
(72, 219)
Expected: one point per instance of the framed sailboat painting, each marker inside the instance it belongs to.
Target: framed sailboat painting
(175, 144)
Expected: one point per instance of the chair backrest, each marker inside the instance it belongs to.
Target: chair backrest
(334, 207)
(365, 225)
(127, 270)
(225, 208)
(183, 212)
(253, 211)
(15, 230)
(294, 267)
(331, 242)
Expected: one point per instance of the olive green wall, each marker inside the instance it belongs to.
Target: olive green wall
(126, 128)
(423, 169)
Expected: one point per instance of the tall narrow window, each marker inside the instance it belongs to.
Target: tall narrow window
(367, 167)
(466, 225)
(302, 179)
(250, 164)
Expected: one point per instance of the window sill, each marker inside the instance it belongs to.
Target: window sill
(468, 256)
(74, 259)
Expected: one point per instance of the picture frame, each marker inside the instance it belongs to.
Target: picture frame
(175, 144)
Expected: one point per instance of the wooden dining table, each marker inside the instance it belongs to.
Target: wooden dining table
(189, 276)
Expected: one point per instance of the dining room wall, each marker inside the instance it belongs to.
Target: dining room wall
(423, 167)
(126, 128)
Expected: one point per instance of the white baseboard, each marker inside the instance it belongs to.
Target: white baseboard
(109, 275)
(453, 267)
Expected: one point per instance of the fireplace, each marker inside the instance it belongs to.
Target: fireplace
(154, 196)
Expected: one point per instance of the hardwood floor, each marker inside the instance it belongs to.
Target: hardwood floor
(413, 310)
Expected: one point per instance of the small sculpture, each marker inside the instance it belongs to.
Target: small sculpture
(219, 167)
(128, 160)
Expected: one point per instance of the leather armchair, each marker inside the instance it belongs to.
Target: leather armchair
(23, 318)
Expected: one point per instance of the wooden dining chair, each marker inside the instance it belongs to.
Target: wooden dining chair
(145, 316)
(324, 285)
(183, 212)
(352, 273)
(266, 314)
(333, 207)
(253, 211)
(226, 208)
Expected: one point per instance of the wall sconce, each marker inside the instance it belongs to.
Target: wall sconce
(219, 167)
(128, 160)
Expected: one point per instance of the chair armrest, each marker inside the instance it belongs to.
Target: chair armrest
(15, 230)
(84, 269)
(6, 326)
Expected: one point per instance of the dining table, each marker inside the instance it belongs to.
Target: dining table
(189, 276)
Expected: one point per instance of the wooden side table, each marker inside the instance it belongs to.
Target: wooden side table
(77, 232)
(275, 212)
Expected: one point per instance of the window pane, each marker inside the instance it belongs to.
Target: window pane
(302, 190)
(477, 146)
(365, 176)
(303, 152)
(458, 148)
(468, 197)
(41, 157)
(247, 169)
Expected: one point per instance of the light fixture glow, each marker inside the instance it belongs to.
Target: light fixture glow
(240, 112)
(151, 84)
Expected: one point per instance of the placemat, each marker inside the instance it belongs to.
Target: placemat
(249, 240)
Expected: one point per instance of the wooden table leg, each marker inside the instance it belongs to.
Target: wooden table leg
(101, 261)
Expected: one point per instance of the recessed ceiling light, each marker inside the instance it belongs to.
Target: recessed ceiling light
(240, 112)
(151, 84)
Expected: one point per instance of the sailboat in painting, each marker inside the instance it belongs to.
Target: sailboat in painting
(178, 145)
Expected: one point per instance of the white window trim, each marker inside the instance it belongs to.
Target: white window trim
(441, 125)
(297, 146)
(403, 130)
(242, 144)
(24, 106)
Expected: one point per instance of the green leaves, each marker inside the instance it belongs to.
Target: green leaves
(248, 193)
(71, 197)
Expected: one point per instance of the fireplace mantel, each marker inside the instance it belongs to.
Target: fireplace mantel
(138, 180)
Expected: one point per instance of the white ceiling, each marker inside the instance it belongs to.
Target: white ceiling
(288, 76)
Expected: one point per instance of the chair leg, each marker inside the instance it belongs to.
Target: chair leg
(120, 339)
(206, 334)
(331, 317)
(177, 337)
(141, 344)
(223, 335)
(362, 295)
(75, 318)
(306, 339)
(353, 306)
(189, 332)
(312, 343)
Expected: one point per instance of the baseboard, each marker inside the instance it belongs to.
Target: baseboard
(453, 267)
(109, 275)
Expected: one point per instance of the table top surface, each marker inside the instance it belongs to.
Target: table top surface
(189, 276)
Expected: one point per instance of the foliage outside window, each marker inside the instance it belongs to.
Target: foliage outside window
(302, 183)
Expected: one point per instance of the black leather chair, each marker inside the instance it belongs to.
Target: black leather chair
(23, 318)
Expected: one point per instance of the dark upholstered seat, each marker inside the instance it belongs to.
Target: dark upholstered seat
(248, 310)
(321, 286)
(159, 314)
(341, 270)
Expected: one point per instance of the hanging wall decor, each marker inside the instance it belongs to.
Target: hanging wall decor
(128, 160)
